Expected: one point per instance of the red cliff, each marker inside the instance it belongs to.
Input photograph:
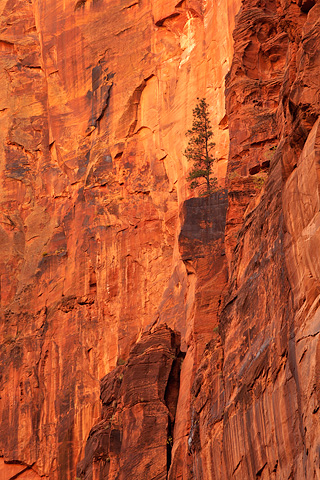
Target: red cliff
(256, 393)
(198, 315)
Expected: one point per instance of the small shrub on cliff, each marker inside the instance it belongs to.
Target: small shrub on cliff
(233, 175)
(199, 151)
(259, 181)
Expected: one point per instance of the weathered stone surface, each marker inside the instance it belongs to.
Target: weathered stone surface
(255, 405)
(97, 96)
(100, 242)
(134, 437)
(201, 248)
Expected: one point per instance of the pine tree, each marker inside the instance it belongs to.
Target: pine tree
(199, 151)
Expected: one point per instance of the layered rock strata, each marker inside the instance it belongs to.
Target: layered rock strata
(101, 244)
(97, 96)
(256, 394)
(134, 437)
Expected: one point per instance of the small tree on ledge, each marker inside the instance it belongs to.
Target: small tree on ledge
(199, 151)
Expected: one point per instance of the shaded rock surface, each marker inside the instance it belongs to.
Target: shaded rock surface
(201, 244)
(134, 437)
(256, 393)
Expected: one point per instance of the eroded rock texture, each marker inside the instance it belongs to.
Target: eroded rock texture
(96, 98)
(102, 246)
(134, 438)
(256, 394)
(142, 453)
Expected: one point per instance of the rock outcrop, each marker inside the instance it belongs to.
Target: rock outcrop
(106, 262)
(134, 437)
(201, 244)
(256, 393)
(97, 97)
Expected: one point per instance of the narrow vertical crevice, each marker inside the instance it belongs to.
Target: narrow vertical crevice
(171, 400)
(169, 443)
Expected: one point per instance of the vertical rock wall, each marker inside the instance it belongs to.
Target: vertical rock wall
(134, 438)
(101, 245)
(153, 428)
(97, 96)
(256, 394)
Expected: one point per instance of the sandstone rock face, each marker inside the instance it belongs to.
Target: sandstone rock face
(256, 393)
(201, 243)
(102, 246)
(134, 438)
(97, 96)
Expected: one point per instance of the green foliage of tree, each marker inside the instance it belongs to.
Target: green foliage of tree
(200, 151)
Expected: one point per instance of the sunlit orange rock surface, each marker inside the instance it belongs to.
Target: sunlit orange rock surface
(96, 98)
(111, 272)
